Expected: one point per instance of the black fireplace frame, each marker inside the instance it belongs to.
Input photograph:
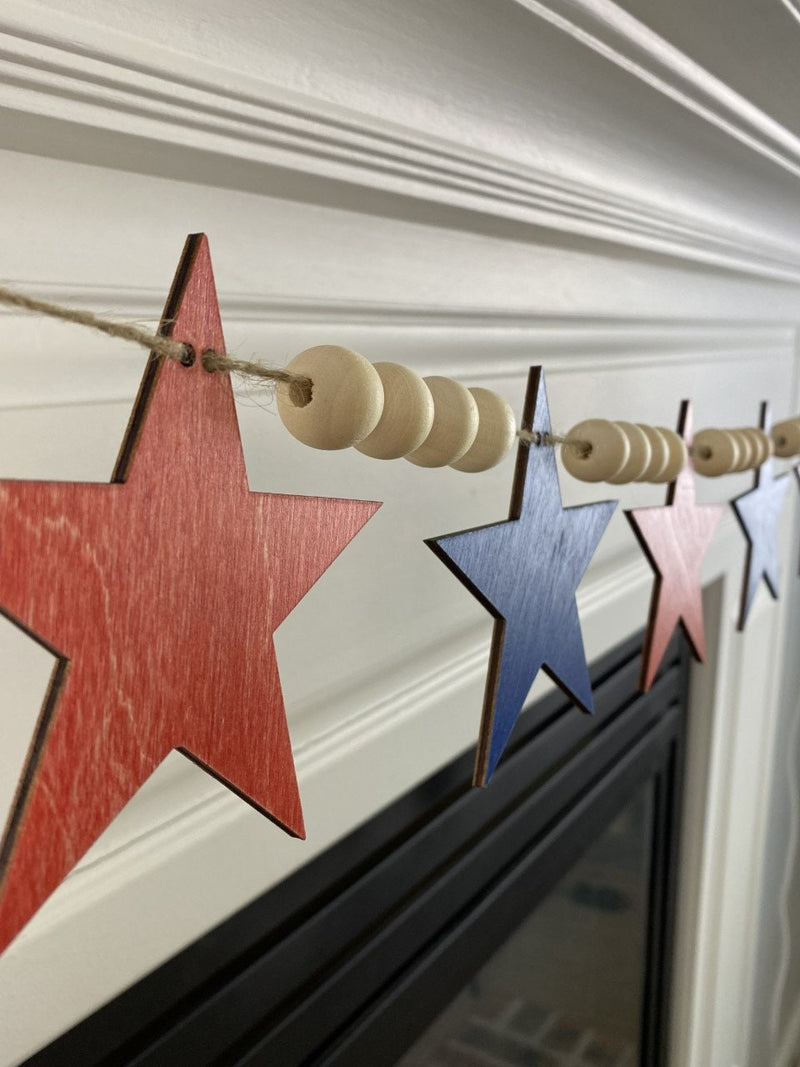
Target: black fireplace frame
(348, 960)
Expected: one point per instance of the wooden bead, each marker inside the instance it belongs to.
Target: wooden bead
(677, 454)
(764, 445)
(786, 436)
(346, 398)
(639, 457)
(455, 424)
(747, 449)
(715, 452)
(407, 414)
(759, 446)
(607, 455)
(497, 432)
(760, 442)
(659, 453)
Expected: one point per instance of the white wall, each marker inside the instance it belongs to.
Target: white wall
(468, 187)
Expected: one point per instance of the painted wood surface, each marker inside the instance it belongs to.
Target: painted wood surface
(675, 538)
(525, 571)
(759, 512)
(158, 596)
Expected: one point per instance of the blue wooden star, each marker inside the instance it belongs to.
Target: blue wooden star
(525, 571)
(758, 512)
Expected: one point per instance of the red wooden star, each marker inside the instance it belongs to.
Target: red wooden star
(158, 595)
(675, 539)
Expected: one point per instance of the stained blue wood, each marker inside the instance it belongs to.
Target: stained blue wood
(525, 572)
(759, 512)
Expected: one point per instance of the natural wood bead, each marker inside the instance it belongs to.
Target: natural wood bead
(786, 436)
(677, 455)
(759, 446)
(607, 455)
(715, 452)
(407, 414)
(346, 398)
(455, 424)
(640, 454)
(742, 448)
(764, 445)
(497, 432)
(747, 449)
(659, 454)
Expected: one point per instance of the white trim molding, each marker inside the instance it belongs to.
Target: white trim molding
(616, 35)
(109, 83)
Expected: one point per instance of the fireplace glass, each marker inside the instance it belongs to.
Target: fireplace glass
(528, 924)
(566, 987)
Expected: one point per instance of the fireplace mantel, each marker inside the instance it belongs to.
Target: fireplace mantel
(467, 187)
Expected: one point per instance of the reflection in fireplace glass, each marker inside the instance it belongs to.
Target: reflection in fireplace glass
(565, 990)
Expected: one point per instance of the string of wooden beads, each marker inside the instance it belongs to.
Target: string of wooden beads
(716, 451)
(386, 411)
(337, 399)
(599, 450)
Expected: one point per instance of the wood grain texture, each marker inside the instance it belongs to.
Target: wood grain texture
(717, 452)
(346, 398)
(659, 453)
(496, 436)
(454, 427)
(607, 453)
(759, 512)
(158, 595)
(406, 415)
(640, 455)
(675, 538)
(525, 571)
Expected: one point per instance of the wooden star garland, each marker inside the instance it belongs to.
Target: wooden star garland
(158, 596)
(675, 538)
(759, 512)
(525, 571)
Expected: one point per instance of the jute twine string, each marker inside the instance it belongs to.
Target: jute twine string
(534, 437)
(299, 386)
(584, 448)
(215, 362)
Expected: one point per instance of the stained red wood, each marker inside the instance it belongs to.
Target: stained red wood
(675, 538)
(159, 595)
(525, 571)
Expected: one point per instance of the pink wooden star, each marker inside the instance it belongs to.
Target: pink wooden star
(675, 538)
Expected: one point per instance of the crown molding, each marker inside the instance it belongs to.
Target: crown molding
(620, 38)
(120, 93)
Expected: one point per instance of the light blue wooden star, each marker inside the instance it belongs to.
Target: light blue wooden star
(758, 512)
